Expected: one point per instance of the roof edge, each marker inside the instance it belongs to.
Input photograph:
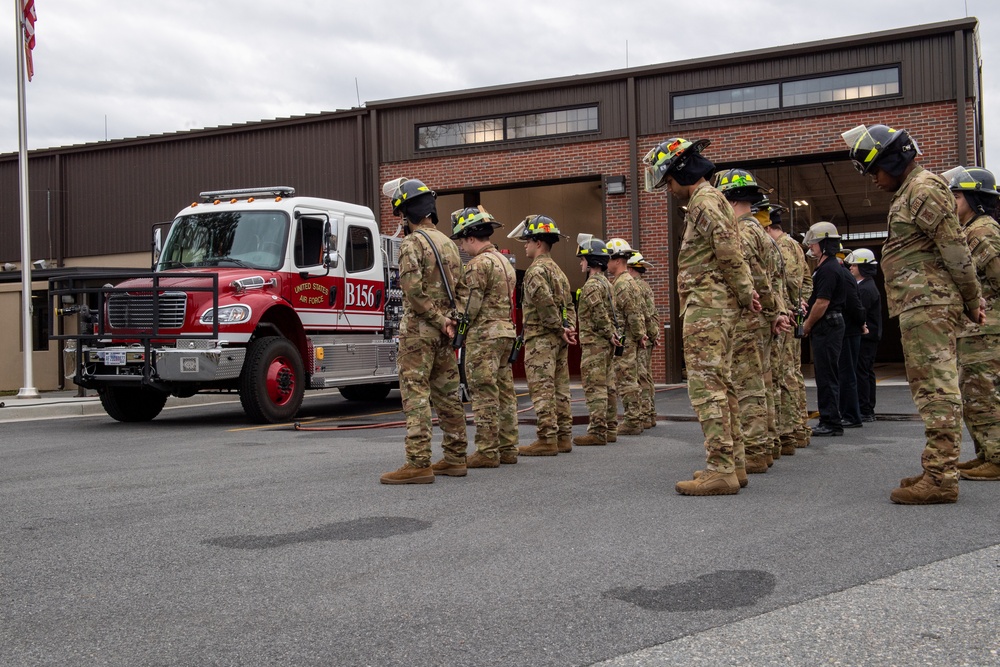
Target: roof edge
(941, 27)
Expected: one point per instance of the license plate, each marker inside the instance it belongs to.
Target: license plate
(114, 358)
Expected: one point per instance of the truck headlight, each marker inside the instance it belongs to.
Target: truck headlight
(228, 315)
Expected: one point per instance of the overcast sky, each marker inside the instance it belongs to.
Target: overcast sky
(140, 67)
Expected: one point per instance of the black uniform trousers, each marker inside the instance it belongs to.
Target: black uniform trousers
(827, 338)
(866, 376)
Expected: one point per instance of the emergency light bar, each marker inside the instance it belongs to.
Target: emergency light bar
(246, 193)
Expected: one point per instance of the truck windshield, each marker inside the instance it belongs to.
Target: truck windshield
(251, 239)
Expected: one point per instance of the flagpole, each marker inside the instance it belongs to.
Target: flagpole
(27, 340)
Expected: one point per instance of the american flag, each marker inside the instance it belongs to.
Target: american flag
(28, 21)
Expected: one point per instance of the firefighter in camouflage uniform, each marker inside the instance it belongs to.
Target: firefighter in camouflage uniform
(597, 331)
(979, 345)
(547, 312)
(930, 282)
(489, 339)
(637, 267)
(631, 313)
(430, 276)
(714, 284)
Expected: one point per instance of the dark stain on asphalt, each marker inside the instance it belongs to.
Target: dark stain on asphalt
(722, 589)
(368, 528)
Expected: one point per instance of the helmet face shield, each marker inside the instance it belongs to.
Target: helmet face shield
(667, 156)
(863, 146)
(971, 179)
(860, 256)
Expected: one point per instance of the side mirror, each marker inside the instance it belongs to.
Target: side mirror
(157, 244)
(331, 258)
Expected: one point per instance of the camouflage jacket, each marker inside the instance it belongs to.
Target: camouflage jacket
(426, 306)
(649, 310)
(547, 298)
(711, 271)
(491, 280)
(757, 251)
(798, 277)
(595, 310)
(926, 259)
(629, 304)
(983, 235)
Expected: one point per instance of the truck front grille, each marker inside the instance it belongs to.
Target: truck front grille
(135, 310)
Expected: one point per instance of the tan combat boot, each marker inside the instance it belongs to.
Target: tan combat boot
(925, 492)
(741, 476)
(509, 456)
(776, 452)
(769, 457)
(788, 450)
(564, 445)
(651, 423)
(585, 440)
(710, 483)
(540, 448)
(971, 463)
(442, 467)
(612, 436)
(480, 460)
(629, 429)
(985, 472)
(757, 464)
(409, 474)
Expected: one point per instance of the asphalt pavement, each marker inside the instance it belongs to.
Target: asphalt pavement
(198, 539)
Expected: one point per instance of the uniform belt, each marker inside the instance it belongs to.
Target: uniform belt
(833, 316)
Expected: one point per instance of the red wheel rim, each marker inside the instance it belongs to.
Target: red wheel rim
(280, 381)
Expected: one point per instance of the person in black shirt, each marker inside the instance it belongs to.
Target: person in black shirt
(854, 328)
(864, 268)
(825, 324)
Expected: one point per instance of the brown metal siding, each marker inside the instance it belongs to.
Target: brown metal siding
(42, 190)
(112, 194)
(926, 64)
(397, 126)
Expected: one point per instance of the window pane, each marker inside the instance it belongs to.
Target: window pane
(858, 85)
(360, 251)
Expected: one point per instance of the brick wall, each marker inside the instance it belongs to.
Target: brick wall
(932, 125)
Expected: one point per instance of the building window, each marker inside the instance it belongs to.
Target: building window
(568, 121)
(840, 88)
(483, 131)
(508, 128)
(726, 102)
(785, 94)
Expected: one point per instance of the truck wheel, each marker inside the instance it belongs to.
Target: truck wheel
(272, 381)
(132, 404)
(366, 392)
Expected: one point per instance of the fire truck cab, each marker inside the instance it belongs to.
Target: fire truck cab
(256, 291)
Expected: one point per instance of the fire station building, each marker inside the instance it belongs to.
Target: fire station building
(569, 148)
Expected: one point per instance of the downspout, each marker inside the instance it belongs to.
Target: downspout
(960, 94)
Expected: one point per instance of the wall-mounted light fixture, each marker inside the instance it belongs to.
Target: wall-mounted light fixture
(9, 267)
(614, 185)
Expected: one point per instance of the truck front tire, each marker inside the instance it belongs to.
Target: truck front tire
(132, 404)
(273, 380)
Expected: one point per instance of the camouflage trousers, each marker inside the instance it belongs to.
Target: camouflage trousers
(428, 376)
(708, 355)
(979, 379)
(791, 415)
(596, 375)
(748, 371)
(647, 392)
(929, 352)
(494, 404)
(546, 365)
(627, 385)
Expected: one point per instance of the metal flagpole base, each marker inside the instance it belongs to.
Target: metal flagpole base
(28, 392)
